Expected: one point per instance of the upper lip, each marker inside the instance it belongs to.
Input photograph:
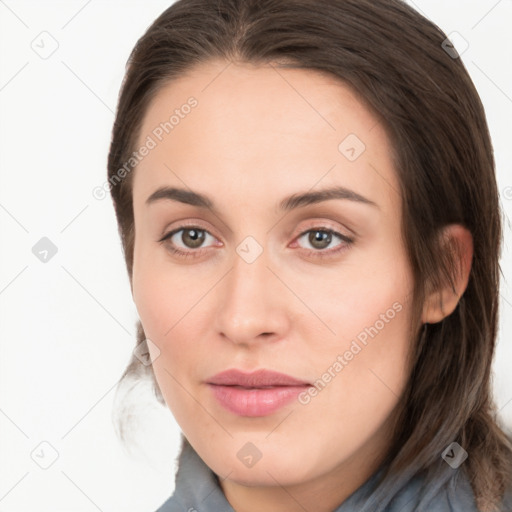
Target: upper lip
(257, 379)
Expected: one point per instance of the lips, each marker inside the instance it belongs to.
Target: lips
(259, 393)
(257, 379)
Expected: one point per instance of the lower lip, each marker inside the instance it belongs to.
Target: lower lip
(255, 402)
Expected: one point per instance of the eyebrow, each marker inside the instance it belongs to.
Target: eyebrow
(289, 203)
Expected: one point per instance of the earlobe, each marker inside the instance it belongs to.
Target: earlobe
(441, 302)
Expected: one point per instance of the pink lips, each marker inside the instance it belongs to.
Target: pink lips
(259, 393)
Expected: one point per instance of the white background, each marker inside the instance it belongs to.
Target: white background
(67, 326)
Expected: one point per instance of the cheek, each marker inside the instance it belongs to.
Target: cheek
(159, 294)
(153, 301)
(168, 303)
(361, 370)
(163, 314)
(360, 376)
(157, 303)
(366, 297)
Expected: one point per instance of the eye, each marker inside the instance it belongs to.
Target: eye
(187, 240)
(191, 241)
(322, 241)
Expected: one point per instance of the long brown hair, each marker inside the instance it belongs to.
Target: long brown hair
(397, 62)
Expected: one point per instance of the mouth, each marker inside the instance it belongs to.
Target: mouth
(260, 393)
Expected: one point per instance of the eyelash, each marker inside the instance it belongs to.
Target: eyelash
(319, 253)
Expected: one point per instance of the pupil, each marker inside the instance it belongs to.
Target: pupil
(320, 239)
(193, 237)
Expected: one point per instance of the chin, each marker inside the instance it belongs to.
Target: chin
(271, 463)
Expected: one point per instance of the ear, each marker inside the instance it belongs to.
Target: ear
(441, 302)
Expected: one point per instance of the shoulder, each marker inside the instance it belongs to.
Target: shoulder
(455, 495)
(451, 495)
(414, 493)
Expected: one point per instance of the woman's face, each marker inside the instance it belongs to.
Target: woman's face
(273, 271)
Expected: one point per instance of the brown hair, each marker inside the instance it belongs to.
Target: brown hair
(395, 60)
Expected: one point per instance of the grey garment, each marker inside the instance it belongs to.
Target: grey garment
(197, 490)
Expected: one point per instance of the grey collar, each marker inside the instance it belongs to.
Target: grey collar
(197, 489)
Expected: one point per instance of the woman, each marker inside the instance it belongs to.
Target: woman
(306, 197)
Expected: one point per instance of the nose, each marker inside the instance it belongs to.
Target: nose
(252, 303)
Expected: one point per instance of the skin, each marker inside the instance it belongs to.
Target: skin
(258, 135)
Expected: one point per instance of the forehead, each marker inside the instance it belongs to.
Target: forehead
(256, 128)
